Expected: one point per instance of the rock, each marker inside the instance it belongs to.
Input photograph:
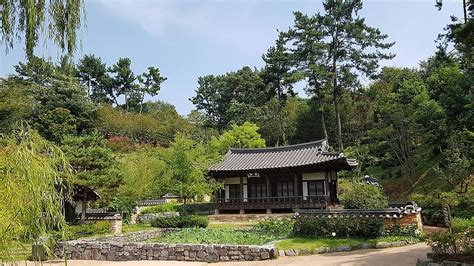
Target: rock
(343, 248)
(383, 245)
(290, 252)
(264, 255)
(430, 255)
(450, 263)
(281, 253)
(423, 262)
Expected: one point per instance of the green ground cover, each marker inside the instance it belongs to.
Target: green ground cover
(302, 243)
(214, 236)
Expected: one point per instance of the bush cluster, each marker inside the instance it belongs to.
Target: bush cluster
(327, 226)
(460, 224)
(167, 207)
(196, 208)
(85, 230)
(277, 228)
(452, 243)
(362, 196)
(187, 221)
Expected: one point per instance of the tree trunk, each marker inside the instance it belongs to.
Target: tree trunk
(323, 125)
(84, 208)
(336, 107)
(339, 128)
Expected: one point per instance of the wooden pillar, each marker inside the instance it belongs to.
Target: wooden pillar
(269, 190)
(327, 189)
(295, 186)
(242, 211)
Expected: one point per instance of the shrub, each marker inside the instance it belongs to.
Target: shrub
(196, 208)
(460, 224)
(397, 230)
(278, 228)
(186, 221)
(167, 207)
(84, 230)
(452, 243)
(363, 227)
(362, 196)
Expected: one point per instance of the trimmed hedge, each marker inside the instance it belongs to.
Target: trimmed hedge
(196, 208)
(187, 221)
(167, 207)
(326, 226)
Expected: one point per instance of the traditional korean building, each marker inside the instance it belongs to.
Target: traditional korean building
(279, 178)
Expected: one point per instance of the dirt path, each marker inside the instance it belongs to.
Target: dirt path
(400, 256)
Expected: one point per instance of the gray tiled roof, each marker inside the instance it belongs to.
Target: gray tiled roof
(305, 154)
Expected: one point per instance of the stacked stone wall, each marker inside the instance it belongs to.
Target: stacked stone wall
(120, 251)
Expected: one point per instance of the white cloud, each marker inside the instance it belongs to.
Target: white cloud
(227, 23)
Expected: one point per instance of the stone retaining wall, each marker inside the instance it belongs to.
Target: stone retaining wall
(119, 251)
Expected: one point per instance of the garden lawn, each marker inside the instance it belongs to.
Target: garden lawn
(214, 236)
(136, 228)
(301, 243)
(241, 225)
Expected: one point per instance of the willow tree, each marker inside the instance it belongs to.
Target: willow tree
(336, 47)
(32, 174)
(27, 21)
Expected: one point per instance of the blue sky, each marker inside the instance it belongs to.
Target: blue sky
(191, 38)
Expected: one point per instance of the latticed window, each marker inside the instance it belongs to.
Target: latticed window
(285, 189)
(316, 188)
(234, 191)
(258, 190)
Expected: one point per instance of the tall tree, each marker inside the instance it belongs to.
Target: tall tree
(92, 73)
(123, 83)
(232, 98)
(93, 163)
(61, 18)
(187, 162)
(150, 83)
(338, 46)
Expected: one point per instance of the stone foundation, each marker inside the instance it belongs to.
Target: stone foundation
(119, 251)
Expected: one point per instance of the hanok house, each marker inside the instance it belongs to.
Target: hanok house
(279, 179)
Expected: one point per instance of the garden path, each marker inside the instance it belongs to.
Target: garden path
(399, 256)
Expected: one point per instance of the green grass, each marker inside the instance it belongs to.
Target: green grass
(214, 236)
(302, 243)
(19, 252)
(136, 227)
(242, 225)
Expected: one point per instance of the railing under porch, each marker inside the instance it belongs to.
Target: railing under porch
(291, 202)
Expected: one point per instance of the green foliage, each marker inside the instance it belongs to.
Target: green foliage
(158, 126)
(15, 104)
(215, 236)
(33, 173)
(452, 243)
(30, 18)
(142, 166)
(196, 208)
(93, 162)
(461, 225)
(186, 221)
(88, 229)
(167, 207)
(277, 228)
(359, 227)
(244, 136)
(362, 196)
(124, 205)
(232, 98)
(186, 163)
